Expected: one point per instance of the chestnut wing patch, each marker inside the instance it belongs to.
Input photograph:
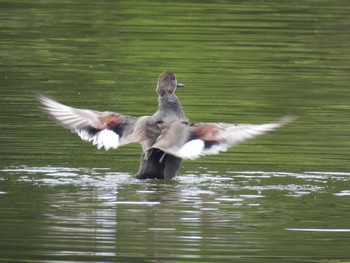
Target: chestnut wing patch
(207, 132)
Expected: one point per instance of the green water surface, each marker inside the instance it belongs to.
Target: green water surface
(283, 197)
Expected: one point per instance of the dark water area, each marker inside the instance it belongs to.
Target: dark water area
(282, 197)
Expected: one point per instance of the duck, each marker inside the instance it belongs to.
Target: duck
(167, 137)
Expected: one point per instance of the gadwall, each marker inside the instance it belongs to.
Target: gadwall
(166, 137)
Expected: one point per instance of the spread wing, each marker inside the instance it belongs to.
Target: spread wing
(104, 129)
(197, 139)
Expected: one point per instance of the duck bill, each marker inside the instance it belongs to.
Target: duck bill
(180, 85)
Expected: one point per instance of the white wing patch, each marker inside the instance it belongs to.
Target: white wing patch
(191, 149)
(215, 149)
(84, 135)
(105, 138)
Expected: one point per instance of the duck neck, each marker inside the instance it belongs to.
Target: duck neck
(170, 105)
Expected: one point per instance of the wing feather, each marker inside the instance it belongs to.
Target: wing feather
(104, 129)
(198, 139)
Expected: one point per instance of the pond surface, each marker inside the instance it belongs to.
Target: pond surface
(98, 215)
(283, 197)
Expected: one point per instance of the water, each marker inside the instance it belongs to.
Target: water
(91, 214)
(283, 197)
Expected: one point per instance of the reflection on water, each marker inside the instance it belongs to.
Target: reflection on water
(247, 180)
(320, 229)
(55, 176)
(95, 214)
